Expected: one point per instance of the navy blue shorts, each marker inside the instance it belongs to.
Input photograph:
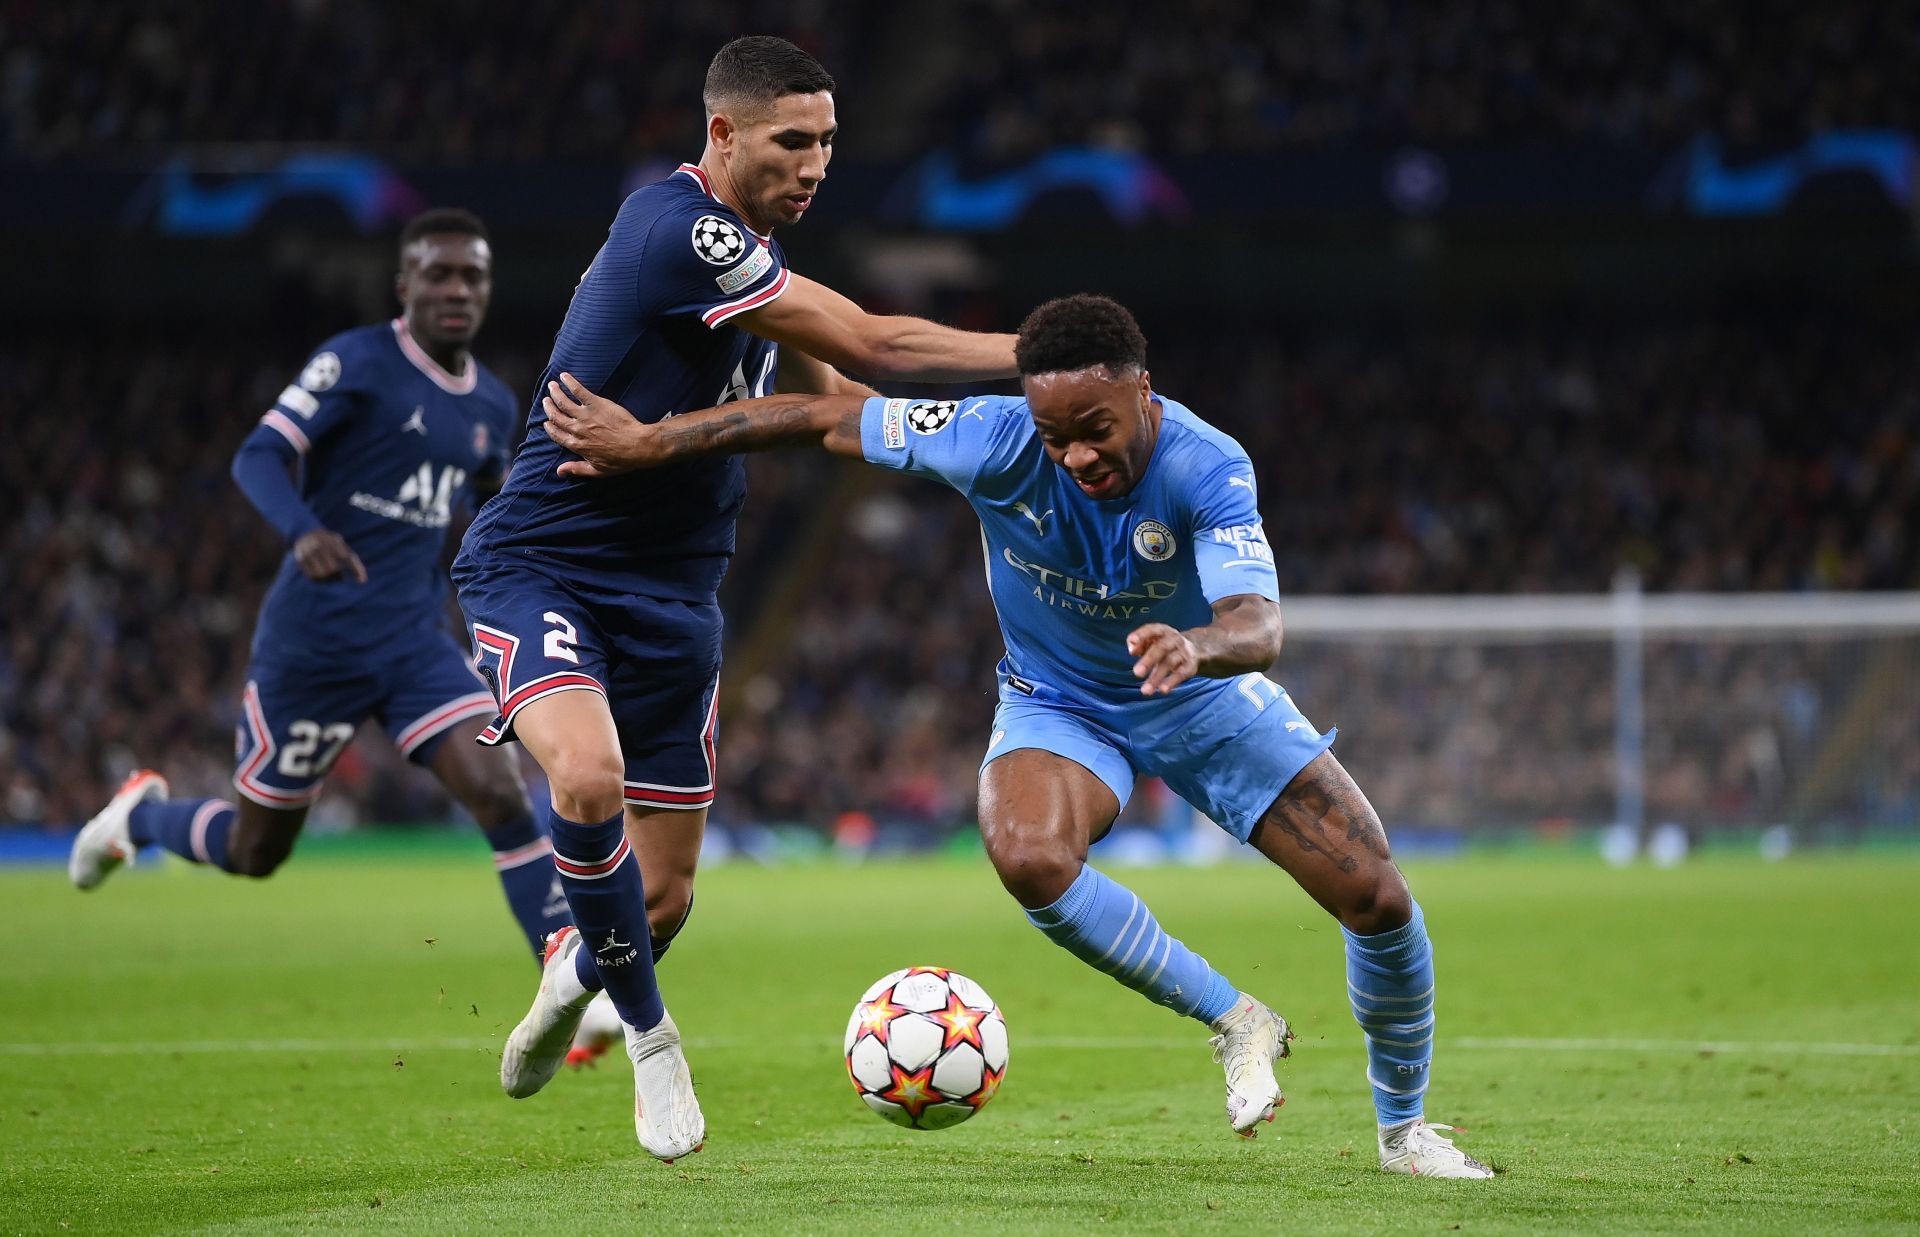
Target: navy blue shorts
(656, 661)
(299, 714)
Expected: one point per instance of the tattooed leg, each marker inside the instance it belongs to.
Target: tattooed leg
(1326, 836)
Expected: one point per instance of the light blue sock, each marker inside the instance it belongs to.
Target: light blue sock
(1390, 984)
(1109, 928)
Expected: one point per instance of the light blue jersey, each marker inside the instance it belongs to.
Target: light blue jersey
(1072, 576)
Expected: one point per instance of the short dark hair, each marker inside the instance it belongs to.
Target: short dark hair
(759, 68)
(1076, 332)
(442, 221)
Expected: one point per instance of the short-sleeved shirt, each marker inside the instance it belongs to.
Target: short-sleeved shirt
(648, 328)
(1071, 575)
(390, 445)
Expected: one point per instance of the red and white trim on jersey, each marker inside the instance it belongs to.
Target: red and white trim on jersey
(506, 644)
(520, 856)
(582, 871)
(699, 175)
(289, 429)
(686, 798)
(197, 832)
(479, 704)
(453, 384)
(246, 779)
(729, 309)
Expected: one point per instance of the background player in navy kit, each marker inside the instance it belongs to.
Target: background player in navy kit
(1138, 601)
(592, 603)
(390, 428)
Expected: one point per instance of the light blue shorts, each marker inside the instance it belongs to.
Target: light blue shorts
(1228, 750)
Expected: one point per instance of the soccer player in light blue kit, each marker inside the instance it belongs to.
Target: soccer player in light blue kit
(1137, 596)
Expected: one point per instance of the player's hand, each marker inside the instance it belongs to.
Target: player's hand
(325, 555)
(1166, 658)
(602, 433)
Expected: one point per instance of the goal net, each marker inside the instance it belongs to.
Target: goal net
(1708, 711)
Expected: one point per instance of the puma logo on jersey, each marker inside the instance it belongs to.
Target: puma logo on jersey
(417, 423)
(1233, 481)
(1039, 521)
(973, 410)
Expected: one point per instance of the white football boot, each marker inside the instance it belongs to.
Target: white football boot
(538, 1046)
(1248, 1039)
(666, 1115)
(1417, 1149)
(600, 1030)
(103, 843)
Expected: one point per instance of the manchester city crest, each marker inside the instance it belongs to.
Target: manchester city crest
(1153, 541)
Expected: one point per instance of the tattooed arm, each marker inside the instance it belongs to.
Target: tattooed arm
(609, 440)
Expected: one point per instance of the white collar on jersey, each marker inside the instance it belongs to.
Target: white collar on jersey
(706, 187)
(453, 384)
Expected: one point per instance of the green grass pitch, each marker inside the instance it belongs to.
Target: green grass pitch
(1725, 1046)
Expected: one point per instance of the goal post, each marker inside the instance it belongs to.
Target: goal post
(1709, 711)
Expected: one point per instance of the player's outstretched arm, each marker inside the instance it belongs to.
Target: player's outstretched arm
(821, 323)
(1244, 636)
(801, 374)
(609, 440)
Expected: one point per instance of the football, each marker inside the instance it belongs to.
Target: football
(926, 1047)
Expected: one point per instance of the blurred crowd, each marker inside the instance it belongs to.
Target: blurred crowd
(487, 81)
(446, 81)
(1238, 75)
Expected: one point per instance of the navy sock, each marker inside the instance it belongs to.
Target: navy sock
(1390, 985)
(602, 882)
(523, 857)
(194, 829)
(1109, 928)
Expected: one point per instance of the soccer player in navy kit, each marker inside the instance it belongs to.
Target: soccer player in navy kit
(390, 428)
(1137, 597)
(591, 603)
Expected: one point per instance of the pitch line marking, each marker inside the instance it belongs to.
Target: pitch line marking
(1471, 1043)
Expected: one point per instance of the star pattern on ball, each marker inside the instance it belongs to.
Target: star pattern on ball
(989, 1087)
(877, 1015)
(941, 971)
(959, 1023)
(914, 1092)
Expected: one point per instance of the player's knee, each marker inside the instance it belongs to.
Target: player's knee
(1036, 869)
(1377, 902)
(256, 855)
(587, 786)
(494, 804)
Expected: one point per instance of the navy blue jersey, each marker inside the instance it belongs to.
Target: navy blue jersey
(647, 328)
(390, 445)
